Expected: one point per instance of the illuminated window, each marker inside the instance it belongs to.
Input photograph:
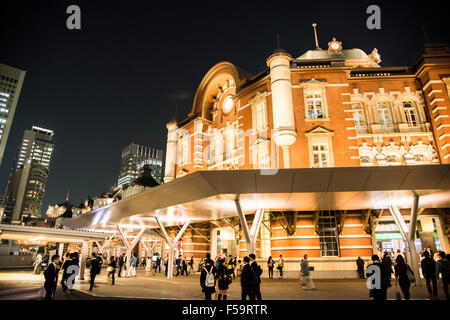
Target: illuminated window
(320, 156)
(358, 115)
(314, 104)
(328, 235)
(384, 114)
(409, 109)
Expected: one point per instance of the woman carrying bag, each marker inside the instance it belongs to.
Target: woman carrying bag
(403, 277)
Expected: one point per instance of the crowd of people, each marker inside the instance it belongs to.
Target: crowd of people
(435, 267)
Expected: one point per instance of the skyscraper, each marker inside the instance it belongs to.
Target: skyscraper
(134, 157)
(11, 80)
(28, 179)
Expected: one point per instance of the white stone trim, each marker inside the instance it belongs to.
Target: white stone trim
(434, 91)
(436, 100)
(445, 135)
(438, 108)
(447, 156)
(430, 83)
(355, 247)
(295, 237)
(441, 116)
(353, 225)
(445, 146)
(294, 248)
(338, 84)
(439, 127)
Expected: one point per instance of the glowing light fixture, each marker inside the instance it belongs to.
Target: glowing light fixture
(228, 104)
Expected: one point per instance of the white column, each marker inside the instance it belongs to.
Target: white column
(250, 235)
(84, 252)
(171, 153)
(129, 247)
(411, 239)
(61, 249)
(171, 244)
(282, 102)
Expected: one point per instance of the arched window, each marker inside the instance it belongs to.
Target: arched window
(358, 115)
(410, 111)
(391, 159)
(384, 113)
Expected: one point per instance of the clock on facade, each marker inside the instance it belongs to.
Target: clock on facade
(228, 104)
(334, 46)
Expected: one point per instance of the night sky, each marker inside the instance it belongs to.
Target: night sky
(119, 78)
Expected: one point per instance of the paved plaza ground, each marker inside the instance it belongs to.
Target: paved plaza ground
(188, 288)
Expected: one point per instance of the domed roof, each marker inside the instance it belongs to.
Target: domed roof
(353, 57)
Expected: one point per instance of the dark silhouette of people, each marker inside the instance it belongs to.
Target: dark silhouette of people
(429, 273)
(249, 280)
(51, 277)
(360, 267)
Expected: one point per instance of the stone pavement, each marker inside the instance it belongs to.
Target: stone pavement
(188, 288)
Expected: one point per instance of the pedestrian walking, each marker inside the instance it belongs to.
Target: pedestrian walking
(166, 265)
(280, 266)
(121, 262)
(191, 265)
(443, 269)
(65, 276)
(360, 267)
(133, 266)
(380, 293)
(184, 267)
(38, 263)
(402, 269)
(112, 269)
(178, 265)
(51, 277)
(270, 264)
(95, 270)
(207, 277)
(387, 263)
(258, 271)
(429, 273)
(306, 275)
(158, 264)
(224, 279)
(239, 267)
(248, 280)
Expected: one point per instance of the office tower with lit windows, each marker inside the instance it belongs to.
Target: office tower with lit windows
(28, 179)
(11, 80)
(134, 157)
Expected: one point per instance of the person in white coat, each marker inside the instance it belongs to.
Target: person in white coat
(37, 263)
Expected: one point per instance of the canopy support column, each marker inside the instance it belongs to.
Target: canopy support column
(84, 253)
(61, 250)
(411, 240)
(250, 235)
(129, 247)
(409, 235)
(171, 244)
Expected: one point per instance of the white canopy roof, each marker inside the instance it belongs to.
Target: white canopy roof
(210, 195)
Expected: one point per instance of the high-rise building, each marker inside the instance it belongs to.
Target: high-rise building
(134, 157)
(11, 80)
(28, 179)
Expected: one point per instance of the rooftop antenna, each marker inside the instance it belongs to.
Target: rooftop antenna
(315, 35)
(67, 195)
(176, 111)
(425, 33)
(278, 41)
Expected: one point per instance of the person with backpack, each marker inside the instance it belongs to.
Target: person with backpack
(258, 271)
(207, 277)
(443, 269)
(249, 280)
(429, 273)
(224, 279)
(401, 275)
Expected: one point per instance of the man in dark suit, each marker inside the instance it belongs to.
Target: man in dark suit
(248, 280)
(51, 277)
(121, 263)
(258, 271)
(95, 270)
